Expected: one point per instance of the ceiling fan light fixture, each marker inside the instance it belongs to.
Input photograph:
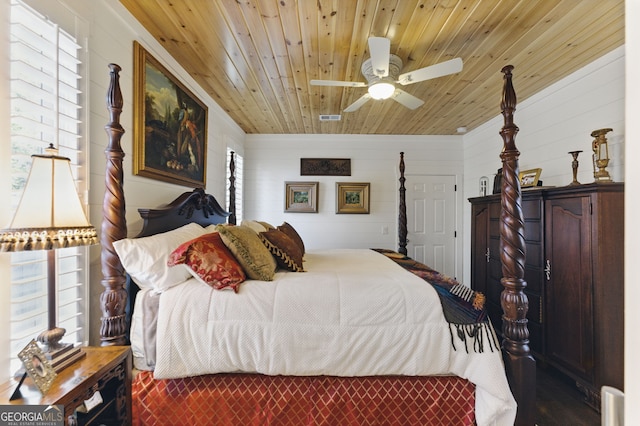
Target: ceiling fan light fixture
(382, 72)
(382, 90)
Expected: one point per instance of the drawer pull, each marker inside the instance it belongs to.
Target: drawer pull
(488, 254)
(91, 403)
(547, 270)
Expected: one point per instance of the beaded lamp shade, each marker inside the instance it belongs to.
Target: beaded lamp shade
(50, 214)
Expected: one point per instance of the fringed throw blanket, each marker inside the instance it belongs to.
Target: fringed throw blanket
(463, 308)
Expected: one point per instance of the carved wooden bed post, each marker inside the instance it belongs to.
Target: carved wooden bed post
(402, 211)
(520, 365)
(114, 226)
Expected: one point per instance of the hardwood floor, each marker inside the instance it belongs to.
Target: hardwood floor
(558, 402)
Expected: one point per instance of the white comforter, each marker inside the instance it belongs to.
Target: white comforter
(353, 313)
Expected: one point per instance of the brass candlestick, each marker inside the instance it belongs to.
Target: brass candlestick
(574, 166)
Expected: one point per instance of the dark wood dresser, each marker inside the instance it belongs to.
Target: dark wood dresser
(574, 238)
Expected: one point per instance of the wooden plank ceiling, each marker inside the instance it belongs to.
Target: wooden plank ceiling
(256, 57)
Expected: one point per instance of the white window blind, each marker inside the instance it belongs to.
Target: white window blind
(238, 174)
(45, 108)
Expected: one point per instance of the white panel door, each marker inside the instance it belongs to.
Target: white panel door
(431, 221)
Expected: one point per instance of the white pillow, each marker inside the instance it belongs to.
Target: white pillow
(255, 225)
(209, 229)
(145, 259)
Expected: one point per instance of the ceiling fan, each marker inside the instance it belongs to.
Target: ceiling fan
(381, 72)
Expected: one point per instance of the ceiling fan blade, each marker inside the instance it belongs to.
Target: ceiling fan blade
(379, 48)
(434, 71)
(338, 83)
(406, 99)
(357, 104)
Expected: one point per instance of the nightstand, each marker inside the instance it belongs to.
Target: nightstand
(105, 369)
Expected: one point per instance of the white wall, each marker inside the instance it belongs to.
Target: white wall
(113, 31)
(271, 160)
(553, 122)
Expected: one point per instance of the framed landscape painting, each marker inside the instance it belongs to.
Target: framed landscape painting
(170, 125)
(352, 198)
(301, 197)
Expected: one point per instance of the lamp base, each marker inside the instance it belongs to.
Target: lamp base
(60, 355)
(68, 357)
(65, 355)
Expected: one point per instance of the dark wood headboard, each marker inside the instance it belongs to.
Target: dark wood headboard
(190, 207)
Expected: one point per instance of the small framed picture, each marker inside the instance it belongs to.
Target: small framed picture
(301, 197)
(352, 198)
(529, 177)
(37, 366)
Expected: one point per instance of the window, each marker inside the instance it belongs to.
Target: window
(46, 96)
(238, 183)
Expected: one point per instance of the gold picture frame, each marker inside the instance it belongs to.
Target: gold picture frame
(37, 366)
(169, 125)
(352, 198)
(301, 197)
(529, 178)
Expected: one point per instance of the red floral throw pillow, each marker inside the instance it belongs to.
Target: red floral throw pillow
(210, 261)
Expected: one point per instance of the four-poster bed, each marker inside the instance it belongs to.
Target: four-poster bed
(400, 397)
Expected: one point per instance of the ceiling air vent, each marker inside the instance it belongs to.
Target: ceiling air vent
(329, 117)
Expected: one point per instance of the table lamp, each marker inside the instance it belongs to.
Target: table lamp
(50, 216)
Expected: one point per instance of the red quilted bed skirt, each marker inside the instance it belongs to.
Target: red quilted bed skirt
(251, 399)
